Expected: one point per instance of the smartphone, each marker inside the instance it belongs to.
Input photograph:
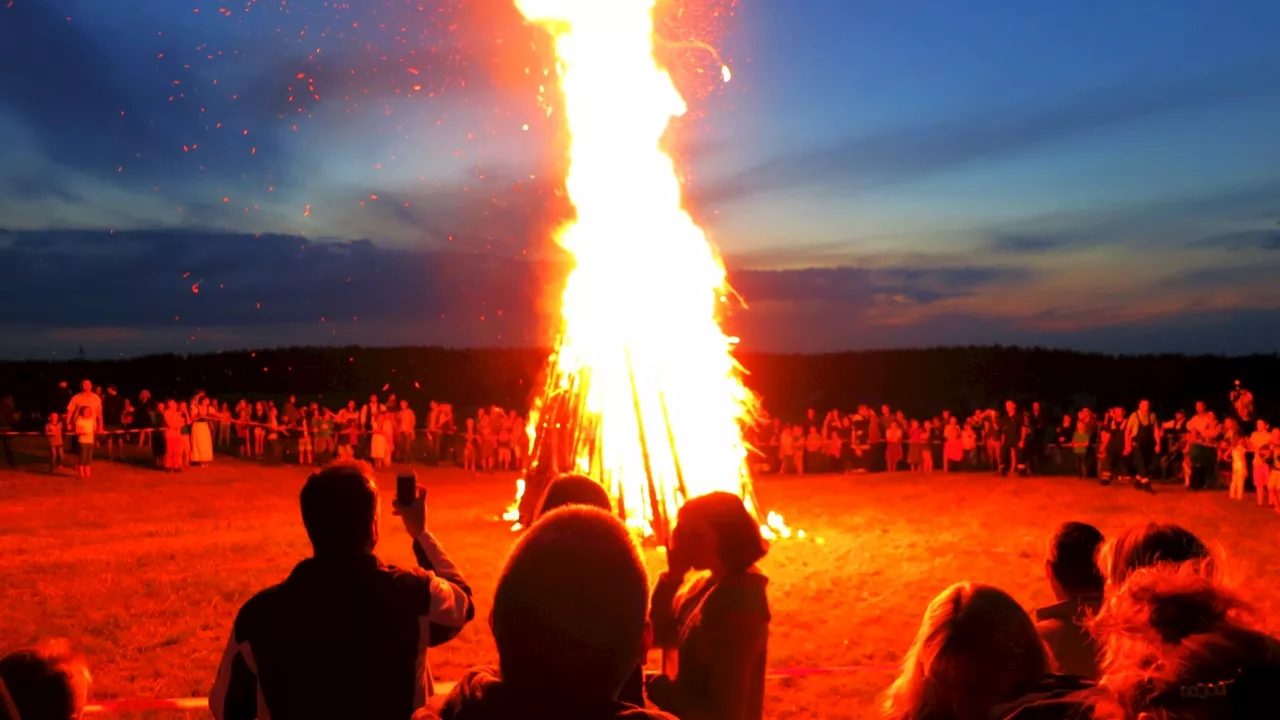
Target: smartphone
(406, 488)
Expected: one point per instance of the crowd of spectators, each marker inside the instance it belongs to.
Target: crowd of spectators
(1198, 450)
(1146, 627)
(184, 433)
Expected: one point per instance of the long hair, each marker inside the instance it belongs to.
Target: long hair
(977, 648)
(1173, 627)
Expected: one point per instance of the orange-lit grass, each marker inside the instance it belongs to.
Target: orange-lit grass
(144, 571)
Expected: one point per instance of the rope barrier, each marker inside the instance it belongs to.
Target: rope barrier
(442, 688)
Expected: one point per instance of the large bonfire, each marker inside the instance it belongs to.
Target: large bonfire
(643, 393)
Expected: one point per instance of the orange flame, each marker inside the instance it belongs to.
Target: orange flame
(640, 305)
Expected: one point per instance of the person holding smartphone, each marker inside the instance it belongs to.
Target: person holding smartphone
(345, 635)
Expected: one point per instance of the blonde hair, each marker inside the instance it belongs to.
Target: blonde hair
(1171, 626)
(1155, 545)
(977, 648)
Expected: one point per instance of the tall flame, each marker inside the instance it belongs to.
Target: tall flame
(640, 336)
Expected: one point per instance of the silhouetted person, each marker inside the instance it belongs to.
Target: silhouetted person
(568, 490)
(47, 682)
(718, 623)
(1077, 583)
(569, 621)
(345, 636)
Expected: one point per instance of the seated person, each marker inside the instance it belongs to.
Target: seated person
(1072, 569)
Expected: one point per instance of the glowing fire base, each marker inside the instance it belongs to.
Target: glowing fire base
(569, 438)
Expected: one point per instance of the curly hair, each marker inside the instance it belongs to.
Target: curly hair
(1172, 626)
(1154, 544)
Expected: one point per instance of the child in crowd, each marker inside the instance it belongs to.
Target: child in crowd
(1080, 447)
(378, 444)
(969, 444)
(86, 428)
(893, 447)
(469, 447)
(1238, 470)
(54, 432)
(273, 435)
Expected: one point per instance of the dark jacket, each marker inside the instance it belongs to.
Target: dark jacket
(1062, 627)
(342, 637)
(720, 631)
(481, 695)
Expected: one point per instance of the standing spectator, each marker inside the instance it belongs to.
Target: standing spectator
(8, 416)
(1174, 435)
(1037, 426)
(47, 682)
(225, 420)
(406, 420)
(86, 398)
(1203, 432)
(144, 418)
(1013, 437)
(174, 422)
(1112, 446)
(349, 431)
(86, 429)
(303, 428)
(718, 623)
(53, 431)
(344, 636)
(113, 422)
(1260, 444)
(369, 413)
(569, 623)
(325, 429)
(201, 434)
(1080, 448)
(1142, 438)
(893, 447)
(1077, 584)
(289, 415)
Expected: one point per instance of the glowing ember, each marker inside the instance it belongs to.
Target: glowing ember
(643, 392)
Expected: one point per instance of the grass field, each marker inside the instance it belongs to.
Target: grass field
(144, 571)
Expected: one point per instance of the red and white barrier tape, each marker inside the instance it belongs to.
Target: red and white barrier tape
(442, 688)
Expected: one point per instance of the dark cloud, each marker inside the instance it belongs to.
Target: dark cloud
(206, 279)
(903, 154)
(1242, 240)
(864, 285)
(1032, 244)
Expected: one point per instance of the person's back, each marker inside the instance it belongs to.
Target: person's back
(345, 635)
(1077, 583)
(569, 624)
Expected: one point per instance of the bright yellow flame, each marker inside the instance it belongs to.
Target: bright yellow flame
(640, 305)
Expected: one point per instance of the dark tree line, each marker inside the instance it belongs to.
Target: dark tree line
(919, 381)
